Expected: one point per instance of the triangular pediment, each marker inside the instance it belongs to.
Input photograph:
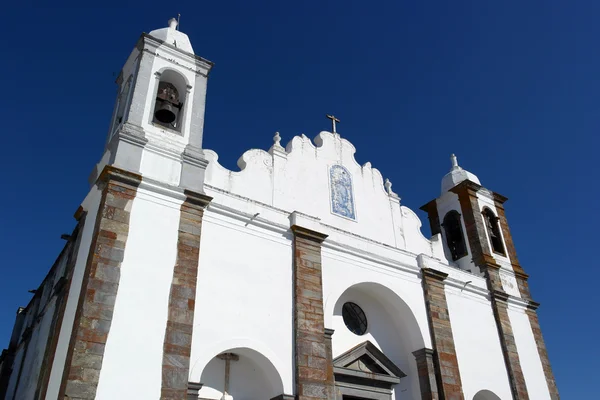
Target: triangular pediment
(366, 361)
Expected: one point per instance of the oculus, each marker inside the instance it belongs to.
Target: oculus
(354, 318)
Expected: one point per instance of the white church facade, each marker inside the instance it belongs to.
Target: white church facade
(301, 276)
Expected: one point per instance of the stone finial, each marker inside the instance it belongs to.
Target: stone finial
(454, 161)
(388, 186)
(173, 23)
(277, 139)
(388, 189)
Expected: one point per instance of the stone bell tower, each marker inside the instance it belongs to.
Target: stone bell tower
(477, 238)
(157, 125)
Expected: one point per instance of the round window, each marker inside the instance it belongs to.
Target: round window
(354, 318)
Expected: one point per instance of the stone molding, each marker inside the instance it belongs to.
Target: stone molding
(426, 370)
(312, 342)
(445, 362)
(182, 299)
(100, 284)
(193, 390)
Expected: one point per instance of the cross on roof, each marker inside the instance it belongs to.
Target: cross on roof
(333, 121)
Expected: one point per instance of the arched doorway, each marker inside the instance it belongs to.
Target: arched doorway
(372, 312)
(485, 395)
(244, 372)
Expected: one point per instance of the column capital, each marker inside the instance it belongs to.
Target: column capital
(197, 199)
(308, 233)
(533, 305)
(434, 274)
(500, 295)
(110, 173)
(423, 353)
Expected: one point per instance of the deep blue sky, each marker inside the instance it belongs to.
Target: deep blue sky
(511, 87)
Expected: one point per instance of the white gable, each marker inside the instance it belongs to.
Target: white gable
(300, 178)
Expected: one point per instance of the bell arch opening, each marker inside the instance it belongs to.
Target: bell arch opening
(485, 395)
(169, 100)
(242, 373)
(389, 324)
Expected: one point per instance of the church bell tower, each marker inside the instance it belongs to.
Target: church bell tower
(157, 125)
(476, 238)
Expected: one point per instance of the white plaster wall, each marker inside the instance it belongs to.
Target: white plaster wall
(12, 383)
(478, 349)
(248, 378)
(132, 363)
(244, 294)
(90, 205)
(297, 179)
(393, 303)
(529, 357)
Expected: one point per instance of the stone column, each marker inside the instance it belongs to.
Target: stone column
(100, 284)
(509, 346)
(426, 371)
(182, 299)
(314, 368)
(541, 346)
(445, 361)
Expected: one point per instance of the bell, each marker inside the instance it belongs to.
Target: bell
(166, 112)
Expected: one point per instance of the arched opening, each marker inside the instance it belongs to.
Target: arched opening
(485, 395)
(170, 98)
(493, 229)
(454, 235)
(244, 373)
(389, 324)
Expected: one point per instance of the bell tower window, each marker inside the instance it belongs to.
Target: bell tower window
(454, 235)
(169, 100)
(493, 229)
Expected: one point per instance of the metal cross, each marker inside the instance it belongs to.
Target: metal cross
(333, 121)
(227, 357)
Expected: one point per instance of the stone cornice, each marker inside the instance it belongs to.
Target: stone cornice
(533, 305)
(471, 188)
(145, 38)
(499, 199)
(429, 206)
(308, 233)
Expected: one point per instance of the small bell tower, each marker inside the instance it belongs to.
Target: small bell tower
(157, 125)
(474, 229)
